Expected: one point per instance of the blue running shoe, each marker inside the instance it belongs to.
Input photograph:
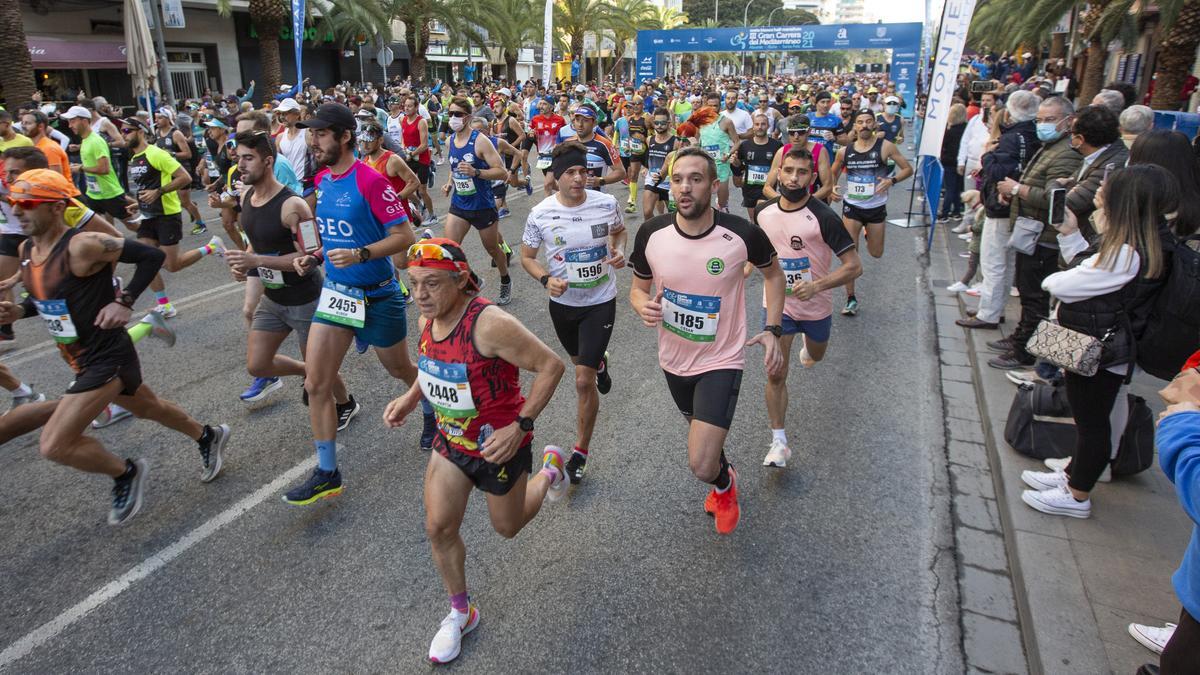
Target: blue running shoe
(529, 186)
(504, 213)
(320, 485)
(259, 388)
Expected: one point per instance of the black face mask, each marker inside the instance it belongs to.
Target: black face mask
(793, 194)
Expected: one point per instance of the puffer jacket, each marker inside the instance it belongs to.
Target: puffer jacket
(1015, 147)
(1079, 198)
(1054, 161)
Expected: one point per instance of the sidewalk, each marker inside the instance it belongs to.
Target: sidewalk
(1078, 583)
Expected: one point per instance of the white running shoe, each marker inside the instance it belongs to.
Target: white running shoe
(974, 291)
(218, 246)
(552, 456)
(806, 359)
(1024, 377)
(966, 236)
(1057, 502)
(957, 287)
(1152, 637)
(447, 643)
(1044, 480)
(1057, 463)
(159, 328)
(778, 455)
(111, 414)
(166, 311)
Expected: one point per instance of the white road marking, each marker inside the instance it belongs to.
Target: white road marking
(150, 565)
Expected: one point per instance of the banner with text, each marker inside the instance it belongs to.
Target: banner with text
(956, 19)
(547, 43)
(298, 36)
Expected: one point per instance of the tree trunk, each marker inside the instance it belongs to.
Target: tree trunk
(1093, 72)
(268, 50)
(416, 39)
(577, 53)
(1058, 46)
(510, 60)
(16, 75)
(1176, 56)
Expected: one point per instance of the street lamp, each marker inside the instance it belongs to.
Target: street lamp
(746, 25)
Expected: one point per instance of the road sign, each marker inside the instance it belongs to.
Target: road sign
(385, 57)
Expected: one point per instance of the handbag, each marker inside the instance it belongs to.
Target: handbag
(1069, 349)
(1025, 234)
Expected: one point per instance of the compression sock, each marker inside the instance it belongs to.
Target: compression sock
(779, 435)
(460, 602)
(207, 249)
(722, 482)
(580, 451)
(326, 455)
(139, 331)
(162, 298)
(632, 192)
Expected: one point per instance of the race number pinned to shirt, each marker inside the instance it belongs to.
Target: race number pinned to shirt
(446, 387)
(464, 186)
(586, 267)
(713, 151)
(341, 304)
(543, 162)
(795, 269)
(93, 182)
(271, 278)
(691, 317)
(636, 146)
(58, 320)
(860, 188)
(757, 175)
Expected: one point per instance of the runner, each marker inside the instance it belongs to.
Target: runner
(658, 180)
(167, 137)
(154, 176)
(362, 223)
(634, 145)
(274, 218)
(508, 134)
(756, 156)
(37, 125)
(827, 125)
(68, 274)
(292, 141)
(718, 138)
(104, 192)
(604, 163)
(694, 258)
(865, 162)
(389, 165)
(584, 235)
(474, 164)
(891, 125)
(798, 132)
(806, 235)
(414, 134)
(471, 358)
(546, 125)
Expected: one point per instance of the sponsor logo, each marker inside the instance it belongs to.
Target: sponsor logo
(715, 266)
(738, 40)
(881, 31)
(841, 34)
(648, 59)
(797, 243)
(343, 200)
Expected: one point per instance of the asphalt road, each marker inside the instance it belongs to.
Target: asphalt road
(839, 564)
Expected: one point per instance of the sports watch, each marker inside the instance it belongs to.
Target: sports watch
(364, 254)
(526, 423)
(775, 330)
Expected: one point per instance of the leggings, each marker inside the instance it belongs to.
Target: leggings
(1100, 413)
(1182, 653)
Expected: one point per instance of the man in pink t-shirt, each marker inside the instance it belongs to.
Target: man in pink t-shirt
(694, 259)
(806, 235)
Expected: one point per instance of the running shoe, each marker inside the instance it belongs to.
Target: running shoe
(503, 213)
(127, 492)
(321, 485)
(507, 253)
(1152, 637)
(428, 431)
(974, 291)
(552, 458)
(346, 412)
(212, 451)
(1044, 480)
(166, 310)
(629, 207)
(427, 233)
(603, 379)
(851, 308)
(199, 228)
(725, 506)
(576, 466)
(778, 454)
(431, 220)
(218, 246)
(447, 642)
(1057, 501)
(529, 186)
(957, 287)
(31, 397)
(159, 328)
(111, 414)
(260, 388)
(505, 294)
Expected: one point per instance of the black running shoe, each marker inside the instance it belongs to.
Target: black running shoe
(575, 467)
(603, 380)
(320, 485)
(428, 431)
(127, 492)
(346, 412)
(212, 449)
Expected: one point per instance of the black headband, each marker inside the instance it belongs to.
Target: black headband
(565, 160)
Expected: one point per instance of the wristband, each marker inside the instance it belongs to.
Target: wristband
(319, 255)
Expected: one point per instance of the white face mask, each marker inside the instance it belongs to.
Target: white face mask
(456, 123)
(892, 108)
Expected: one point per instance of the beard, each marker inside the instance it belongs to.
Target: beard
(697, 208)
(325, 158)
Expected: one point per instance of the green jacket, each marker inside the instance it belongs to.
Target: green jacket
(1054, 161)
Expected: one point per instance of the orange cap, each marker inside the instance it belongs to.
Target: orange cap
(42, 184)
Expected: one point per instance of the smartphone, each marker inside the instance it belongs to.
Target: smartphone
(1058, 206)
(982, 86)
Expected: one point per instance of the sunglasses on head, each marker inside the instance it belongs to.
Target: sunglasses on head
(429, 251)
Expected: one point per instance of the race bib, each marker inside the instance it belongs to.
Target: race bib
(691, 317)
(464, 186)
(860, 188)
(543, 162)
(757, 175)
(586, 267)
(713, 151)
(625, 146)
(340, 304)
(446, 388)
(58, 320)
(93, 182)
(795, 269)
(271, 278)
(636, 146)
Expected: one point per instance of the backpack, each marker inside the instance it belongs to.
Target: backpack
(1172, 330)
(1039, 423)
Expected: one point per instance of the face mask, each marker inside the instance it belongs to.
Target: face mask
(793, 194)
(1048, 132)
(892, 108)
(456, 123)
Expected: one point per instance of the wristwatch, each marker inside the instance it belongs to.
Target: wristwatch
(526, 423)
(125, 299)
(364, 254)
(545, 279)
(775, 330)
(1016, 188)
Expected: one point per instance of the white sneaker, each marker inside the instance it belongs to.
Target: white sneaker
(778, 455)
(447, 643)
(964, 226)
(552, 456)
(1013, 292)
(1057, 502)
(957, 287)
(159, 328)
(806, 359)
(218, 246)
(1106, 475)
(974, 291)
(166, 311)
(1044, 480)
(966, 236)
(1152, 637)
(111, 414)
(1057, 463)
(1022, 377)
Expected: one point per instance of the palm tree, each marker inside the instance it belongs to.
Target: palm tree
(512, 24)
(630, 16)
(16, 74)
(1176, 55)
(353, 22)
(574, 18)
(460, 17)
(268, 17)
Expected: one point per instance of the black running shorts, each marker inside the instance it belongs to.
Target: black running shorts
(123, 365)
(877, 214)
(10, 245)
(709, 397)
(496, 479)
(166, 230)
(584, 331)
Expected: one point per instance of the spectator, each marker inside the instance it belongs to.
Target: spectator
(952, 182)
(1125, 271)
(1126, 90)
(1111, 99)
(1095, 134)
(1134, 121)
(1030, 196)
(1005, 157)
(1171, 150)
(970, 149)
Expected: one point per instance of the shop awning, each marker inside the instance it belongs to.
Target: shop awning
(53, 53)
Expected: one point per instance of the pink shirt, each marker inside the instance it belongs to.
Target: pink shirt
(806, 241)
(704, 303)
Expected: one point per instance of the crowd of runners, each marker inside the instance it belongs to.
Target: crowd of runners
(327, 216)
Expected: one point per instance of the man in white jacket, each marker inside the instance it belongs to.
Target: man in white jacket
(970, 150)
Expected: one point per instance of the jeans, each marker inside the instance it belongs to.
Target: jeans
(952, 189)
(996, 260)
(1031, 270)
(1101, 410)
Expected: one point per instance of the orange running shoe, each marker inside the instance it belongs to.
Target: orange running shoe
(727, 512)
(710, 502)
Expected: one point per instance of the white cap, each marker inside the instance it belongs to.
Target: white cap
(580, 88)
(285, 87)
(76, 111)
(287, 105)
(1027, 55)
(892, 99)
(363, 112)
(166, 112)
(504, 91)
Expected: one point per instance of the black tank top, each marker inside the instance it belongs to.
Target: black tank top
(264, 227)
(166, 142)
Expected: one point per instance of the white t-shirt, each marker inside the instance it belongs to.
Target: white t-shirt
(576, 243)
(295, 149)
(740, 118)
(394, 129)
